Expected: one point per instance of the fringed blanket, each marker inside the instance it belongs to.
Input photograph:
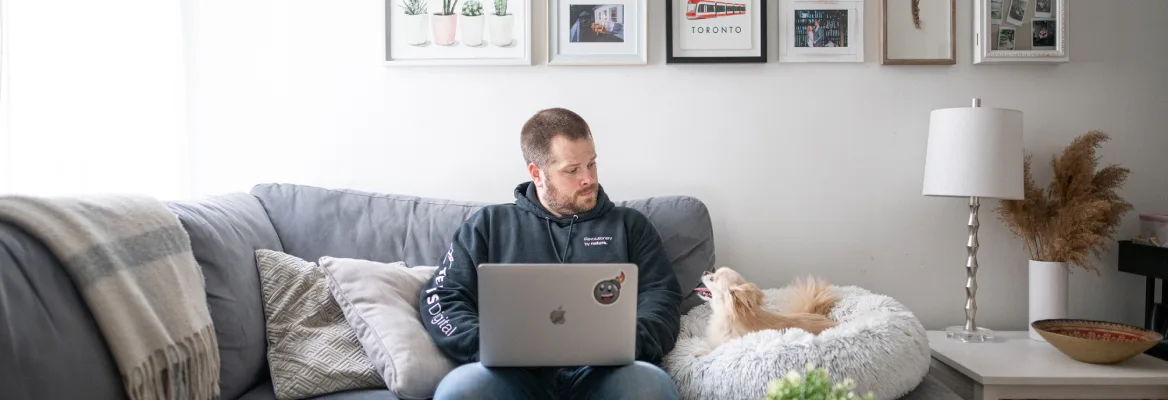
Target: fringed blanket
(132, 262)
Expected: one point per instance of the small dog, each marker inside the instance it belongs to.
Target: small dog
(738, 307)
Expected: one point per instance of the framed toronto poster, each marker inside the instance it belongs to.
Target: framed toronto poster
(457, 32)
(821, 30)
(916, 32)
(715, 31)
(1020, 31)
(598, 32)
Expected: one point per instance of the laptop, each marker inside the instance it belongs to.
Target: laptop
(557, 315)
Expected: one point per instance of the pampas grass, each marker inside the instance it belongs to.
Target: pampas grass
(1076, 215)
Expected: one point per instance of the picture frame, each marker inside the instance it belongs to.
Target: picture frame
(918, 32)
(426, 33)
(598, 32)
(715, 31)
(1020, 31)
(821, 31)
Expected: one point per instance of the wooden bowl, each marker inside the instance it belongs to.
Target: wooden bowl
(1096, 342)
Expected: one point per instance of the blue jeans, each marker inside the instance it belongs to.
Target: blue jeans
(640, 380)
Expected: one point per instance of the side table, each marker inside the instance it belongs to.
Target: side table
(1015, 367)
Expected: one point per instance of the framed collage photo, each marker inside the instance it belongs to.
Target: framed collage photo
(598, 32)
(716, 31)
(821, 31)
(1020, 31)
(471, 32)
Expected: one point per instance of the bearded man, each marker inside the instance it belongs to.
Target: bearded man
(551, 218)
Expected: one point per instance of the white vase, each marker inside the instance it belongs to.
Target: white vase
(1048, 292)
(501, 29)
(472, 30)
(417, 29)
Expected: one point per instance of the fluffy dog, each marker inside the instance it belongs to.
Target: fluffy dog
(738, 307)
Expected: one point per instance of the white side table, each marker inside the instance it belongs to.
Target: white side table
(1015, 367)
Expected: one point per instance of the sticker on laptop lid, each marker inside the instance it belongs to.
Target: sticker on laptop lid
(607, 291)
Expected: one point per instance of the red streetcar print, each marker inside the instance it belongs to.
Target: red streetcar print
(705, 9)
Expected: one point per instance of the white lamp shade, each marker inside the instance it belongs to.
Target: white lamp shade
(974, 151)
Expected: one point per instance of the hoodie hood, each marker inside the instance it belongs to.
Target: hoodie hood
(527, 199)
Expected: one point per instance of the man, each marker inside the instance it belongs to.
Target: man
(553, 215)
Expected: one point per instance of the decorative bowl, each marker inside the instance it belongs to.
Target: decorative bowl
(1096, 342)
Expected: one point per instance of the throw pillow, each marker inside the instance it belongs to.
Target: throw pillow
(380, 301)
(312, 350)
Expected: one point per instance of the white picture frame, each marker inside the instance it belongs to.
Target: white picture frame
(608, 40)
(840, 20)
(411, 39)
(1047, 18)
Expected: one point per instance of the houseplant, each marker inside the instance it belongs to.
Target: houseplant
(814, 385)
(501, 24)
(472, 23)
(445, 23)
(1065, 224)
(416, 22)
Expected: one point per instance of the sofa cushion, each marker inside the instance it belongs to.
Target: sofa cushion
(315, 222)
(312, 349)
(264, 391)
(380, 302)
(225, 231)
(48, 337)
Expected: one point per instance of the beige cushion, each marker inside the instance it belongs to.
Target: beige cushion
(312, 350)
(380, 301)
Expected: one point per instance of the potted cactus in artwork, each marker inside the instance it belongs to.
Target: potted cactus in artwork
(472, 23)
(416, 22)
(445, 23)
(501, 24)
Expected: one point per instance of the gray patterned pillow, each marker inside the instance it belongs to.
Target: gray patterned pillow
(312, 350)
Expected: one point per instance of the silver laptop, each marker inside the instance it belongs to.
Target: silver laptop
(553, 315)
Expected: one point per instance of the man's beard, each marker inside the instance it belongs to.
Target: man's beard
(568, 204)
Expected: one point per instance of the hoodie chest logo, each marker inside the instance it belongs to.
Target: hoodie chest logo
(590, 241)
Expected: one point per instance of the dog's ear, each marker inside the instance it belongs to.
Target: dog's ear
(744, 297)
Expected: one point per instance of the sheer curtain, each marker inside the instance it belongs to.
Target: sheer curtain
(93, 98)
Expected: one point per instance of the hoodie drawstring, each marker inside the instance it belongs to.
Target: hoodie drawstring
(552, 238)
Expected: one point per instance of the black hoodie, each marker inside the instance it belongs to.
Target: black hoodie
(525, 232)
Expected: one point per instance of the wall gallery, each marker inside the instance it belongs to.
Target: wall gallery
(614, 32)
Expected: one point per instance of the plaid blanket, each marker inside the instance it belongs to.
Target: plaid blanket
(132, 262)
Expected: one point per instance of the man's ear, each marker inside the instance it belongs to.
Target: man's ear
(536, 176)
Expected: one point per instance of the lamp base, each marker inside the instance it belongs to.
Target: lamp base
(977, 335)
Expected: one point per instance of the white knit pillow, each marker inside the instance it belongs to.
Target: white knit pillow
(380, 301)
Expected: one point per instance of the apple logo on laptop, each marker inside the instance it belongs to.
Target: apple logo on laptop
(558, 316)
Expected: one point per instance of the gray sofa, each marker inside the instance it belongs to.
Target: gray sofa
(50, 347)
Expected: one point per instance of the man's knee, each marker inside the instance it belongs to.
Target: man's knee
(474, 381)
(641, 380)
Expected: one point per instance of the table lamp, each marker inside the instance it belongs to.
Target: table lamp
(974, 152)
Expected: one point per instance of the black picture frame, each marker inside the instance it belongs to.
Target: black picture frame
(670, 58)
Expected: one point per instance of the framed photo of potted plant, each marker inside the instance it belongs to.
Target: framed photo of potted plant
(715, 31)
(598, 32)
(457, 32)
(821, 31)
(1020, 31)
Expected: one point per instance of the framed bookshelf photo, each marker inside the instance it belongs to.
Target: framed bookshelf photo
(715, 31)
(821, 31)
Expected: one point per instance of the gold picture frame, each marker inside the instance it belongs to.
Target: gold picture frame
(912, 32)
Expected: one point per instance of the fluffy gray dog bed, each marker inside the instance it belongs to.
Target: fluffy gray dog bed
(879, 343)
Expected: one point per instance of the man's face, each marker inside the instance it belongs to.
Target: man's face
(569, 183)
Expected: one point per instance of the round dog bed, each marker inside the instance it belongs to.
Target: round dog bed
(879, 344)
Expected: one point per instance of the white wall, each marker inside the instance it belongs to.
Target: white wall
(819, 173)
(93, 98)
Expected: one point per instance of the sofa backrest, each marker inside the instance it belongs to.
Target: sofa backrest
(314, 222)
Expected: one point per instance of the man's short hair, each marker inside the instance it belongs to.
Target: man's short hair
(545, 125)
